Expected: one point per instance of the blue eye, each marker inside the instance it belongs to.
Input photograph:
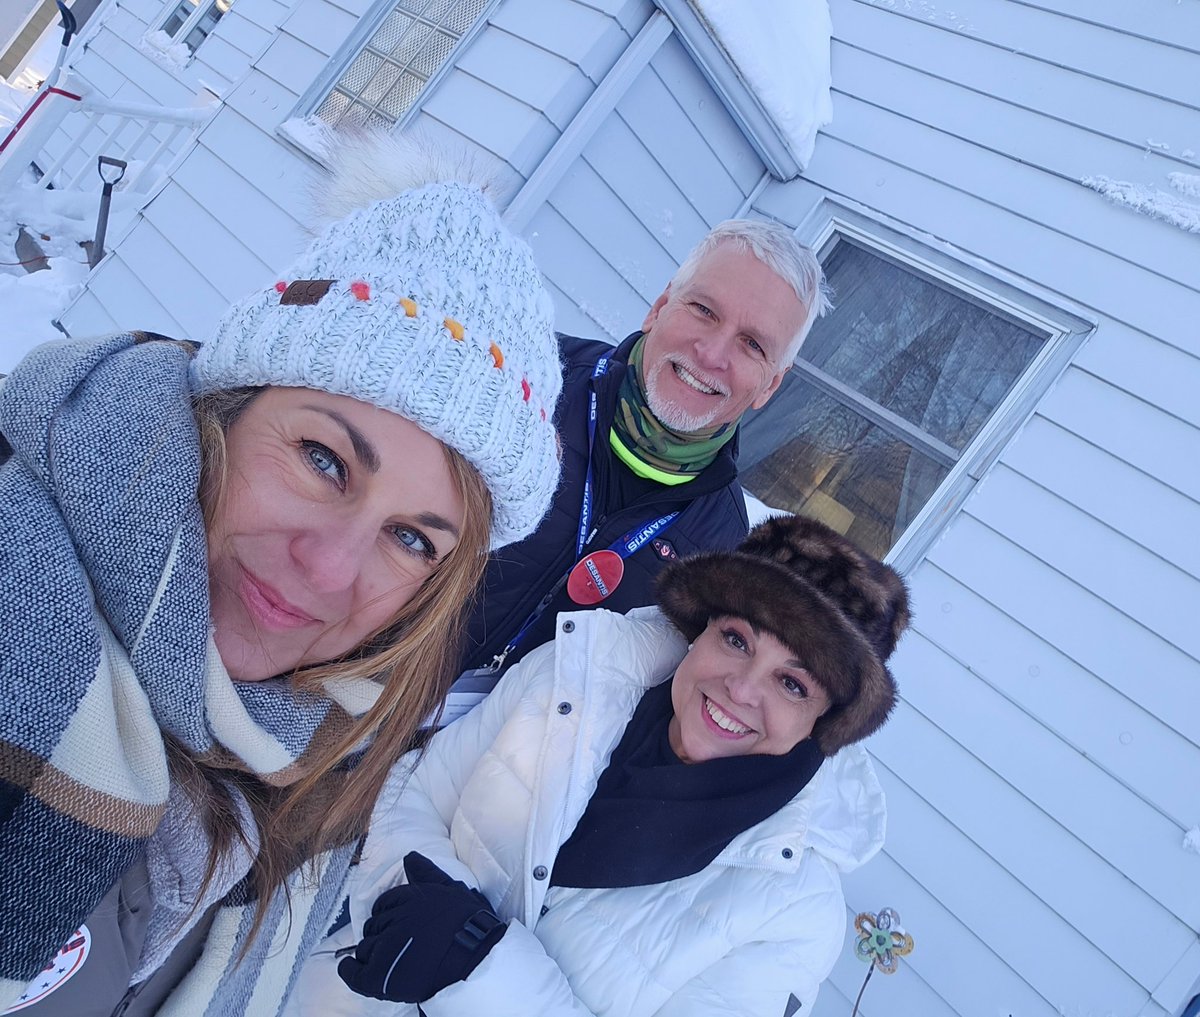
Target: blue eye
(415, 542)
(325, 462)
(753, 344)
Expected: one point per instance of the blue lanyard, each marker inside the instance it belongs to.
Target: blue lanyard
(626, 545)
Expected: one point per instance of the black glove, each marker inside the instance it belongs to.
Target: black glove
(422, 936)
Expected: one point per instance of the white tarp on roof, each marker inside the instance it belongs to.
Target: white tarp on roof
(781, 50)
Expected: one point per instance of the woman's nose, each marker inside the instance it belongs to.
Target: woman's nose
(742, 687)
(331, 558)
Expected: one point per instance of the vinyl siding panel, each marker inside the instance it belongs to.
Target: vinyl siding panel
(1134, 430)
(520, 83)
(664, 210)
(992, 720)
(139, 306)
(276, 235)
(529, 74)
(89, 309)
(588, 281)
(160, 268)
(1021, 76)
(291, 63)
(1028, 159)
(579, 33)
(118, 65)
(1177, 26)
(231, 276)
(512, 95)
(506, 127)
(1026, 936)
(665, 166)
(1080, 45)
(587, 201)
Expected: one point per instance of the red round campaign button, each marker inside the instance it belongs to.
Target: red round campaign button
(595, 577)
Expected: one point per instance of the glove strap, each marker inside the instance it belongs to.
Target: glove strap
(477, 929)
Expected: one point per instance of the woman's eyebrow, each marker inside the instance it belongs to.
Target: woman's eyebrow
(364, 451)
(438, 523)
(798, 664)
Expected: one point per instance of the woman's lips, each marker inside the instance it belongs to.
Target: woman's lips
(711, 722)
(267, 607)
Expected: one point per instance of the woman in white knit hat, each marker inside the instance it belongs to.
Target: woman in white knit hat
(231, 584)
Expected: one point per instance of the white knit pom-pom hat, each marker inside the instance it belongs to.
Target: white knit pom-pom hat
(423, 303)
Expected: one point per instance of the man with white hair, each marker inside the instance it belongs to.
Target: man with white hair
(649, 440)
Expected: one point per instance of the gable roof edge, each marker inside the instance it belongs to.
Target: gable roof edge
(727, 81)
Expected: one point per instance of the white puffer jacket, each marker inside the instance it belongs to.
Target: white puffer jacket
(499, 791)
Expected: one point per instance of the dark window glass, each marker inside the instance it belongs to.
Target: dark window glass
(886, 394)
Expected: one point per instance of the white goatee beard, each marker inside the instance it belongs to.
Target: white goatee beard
(670, 414)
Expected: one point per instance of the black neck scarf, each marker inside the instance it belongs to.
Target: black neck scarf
(653, 819)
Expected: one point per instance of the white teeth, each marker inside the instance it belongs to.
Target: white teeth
(723, 720)
(692, 381)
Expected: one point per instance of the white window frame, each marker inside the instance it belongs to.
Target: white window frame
(202, 8)
(337, 65)
(987, 285)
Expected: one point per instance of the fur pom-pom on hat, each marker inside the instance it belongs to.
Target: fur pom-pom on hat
(836, 607)
(418, 299)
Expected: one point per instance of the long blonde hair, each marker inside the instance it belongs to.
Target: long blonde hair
(413, 658)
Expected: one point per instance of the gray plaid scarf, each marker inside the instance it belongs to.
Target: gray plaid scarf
(104, 645)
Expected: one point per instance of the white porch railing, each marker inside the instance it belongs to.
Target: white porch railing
(149, 138)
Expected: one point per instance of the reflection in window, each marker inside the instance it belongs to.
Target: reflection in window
(192, 21)
(383, 81)
(886, 394)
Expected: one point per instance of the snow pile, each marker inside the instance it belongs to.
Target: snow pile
(30, 303)
(311, 133)
(1151, 201)
(927, 11)
(165, 50)
(59, 221)
(1185, 183)
(781, 51)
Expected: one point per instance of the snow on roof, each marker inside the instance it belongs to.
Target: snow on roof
(781, 51)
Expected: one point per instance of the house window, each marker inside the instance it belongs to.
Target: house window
(389, 72)
(192, 21)
(887, 396)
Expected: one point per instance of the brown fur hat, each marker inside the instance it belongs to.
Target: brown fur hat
(838, 609)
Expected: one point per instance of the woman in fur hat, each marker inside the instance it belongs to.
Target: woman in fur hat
(231, 583)
(631, 825)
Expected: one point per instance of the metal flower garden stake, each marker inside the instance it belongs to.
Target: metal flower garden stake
(881, 942)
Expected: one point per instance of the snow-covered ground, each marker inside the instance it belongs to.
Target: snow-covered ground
(59, 221)
(30, 301)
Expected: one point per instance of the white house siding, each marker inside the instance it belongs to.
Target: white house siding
(662, 168)
(1042, 769)
(233, 213)
(112, 61)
